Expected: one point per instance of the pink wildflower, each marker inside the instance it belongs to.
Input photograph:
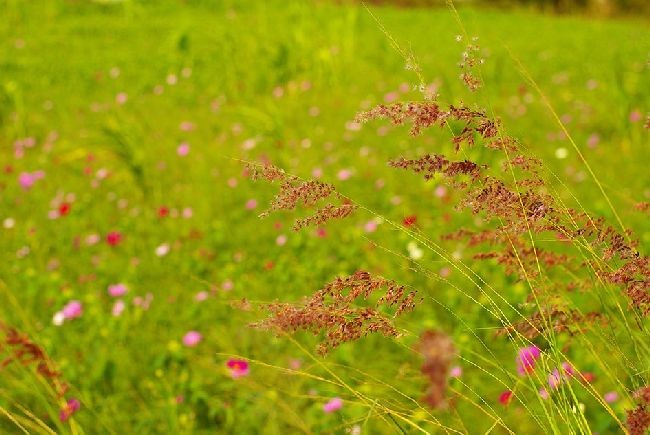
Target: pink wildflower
(192, 338)
(370, 226)
(118, 308)
(238, 368)
(554, 379)
(526, 358)
(333, 405)
(201, 296)
(72, 310)
(183, 149)
(344, 174)
(70, 408)
(611, 397)
(117, 290)
(26, 180)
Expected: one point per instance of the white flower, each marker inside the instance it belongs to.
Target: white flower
(414, 251)
(58, 318)
(162, 250)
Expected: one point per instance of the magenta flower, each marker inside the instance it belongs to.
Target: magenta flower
(526, 358)
(70, 408)
(238, 368)
(72, 310)
(192, 338)
(333, 405)
(117, 290)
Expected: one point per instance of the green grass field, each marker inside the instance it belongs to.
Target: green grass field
(138, 114)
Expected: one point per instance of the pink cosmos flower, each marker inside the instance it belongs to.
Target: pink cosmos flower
(344, 174)
(238, 368)
(121, 98)
(72, 310)
(187, 126)
(117, 290)
(70, 408)
(526, 358)
(636, 115)
(370, 226)
(554, 379)
(201, 296)
(183, 149)
(281, 240)
(192, 338)
(390, 97)
(27, 179)
(611, 397)
(251, 204)
(333, 405)
(456, 372)
(118, 308)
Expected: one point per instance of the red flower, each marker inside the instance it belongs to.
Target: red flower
(163, 212)
(409, 220)
(64, 208)
(587, 377)
(113, 238)
(505, 397)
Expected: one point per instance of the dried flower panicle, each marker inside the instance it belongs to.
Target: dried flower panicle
(430, 165)
(638, 419)
(334, 310)
(520, 207)
(559, 320)
(22, 350)
(425, 114)
(295, 192)
(438, 351)
(470, 60)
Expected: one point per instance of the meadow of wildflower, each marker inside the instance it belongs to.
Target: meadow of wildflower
(316, 217)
